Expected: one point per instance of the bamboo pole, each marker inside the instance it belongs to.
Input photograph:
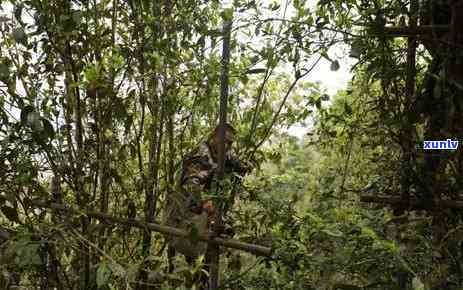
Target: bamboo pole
(165, 230)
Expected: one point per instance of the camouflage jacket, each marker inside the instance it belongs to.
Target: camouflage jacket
(196, 177)
(183, 208)
(198, 170)
(195, 180)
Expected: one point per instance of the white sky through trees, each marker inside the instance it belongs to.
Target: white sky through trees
(332, 81)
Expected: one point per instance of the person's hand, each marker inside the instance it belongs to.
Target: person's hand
(238, 166)
(247, 166)
(224, 230)
(218, 229)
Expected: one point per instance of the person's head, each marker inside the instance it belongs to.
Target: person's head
(229, 137)
(208, 206)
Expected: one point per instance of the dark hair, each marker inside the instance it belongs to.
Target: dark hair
(228, 128)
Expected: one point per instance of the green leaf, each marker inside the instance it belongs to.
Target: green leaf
(334, 65)
(318, 104)
(3, 19)
(347, 109)
(4, 72)
(355, 50)
(103, 274)
(10, 213)
(325, 97)
(227, 14)
(117, 269)
(27, 253)
(20, 36)
(48, 129)
(76, 17)
(25, 112)
(334, 233)
(34, 121)
(274, 6)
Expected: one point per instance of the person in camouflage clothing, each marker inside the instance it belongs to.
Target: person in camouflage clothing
(190, 206)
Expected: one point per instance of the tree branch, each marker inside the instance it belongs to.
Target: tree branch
(412, 31)
(414, 203)
(285, 98)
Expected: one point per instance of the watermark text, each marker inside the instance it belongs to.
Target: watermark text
(440, 145)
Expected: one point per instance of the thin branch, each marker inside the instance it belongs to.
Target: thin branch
(413, 31)
(285, 98)
(346, 165)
